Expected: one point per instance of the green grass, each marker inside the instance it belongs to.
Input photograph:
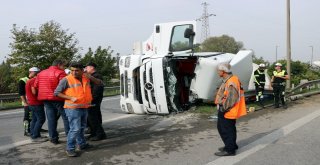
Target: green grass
(206, 109)
(9, 105)
(112, 92)
(210, 108)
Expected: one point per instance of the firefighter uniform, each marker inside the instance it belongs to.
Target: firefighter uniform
(278, 85)
(259, 82)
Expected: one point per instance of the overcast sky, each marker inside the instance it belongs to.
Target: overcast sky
(259, 24)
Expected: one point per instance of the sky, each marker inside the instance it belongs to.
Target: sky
(259, 24)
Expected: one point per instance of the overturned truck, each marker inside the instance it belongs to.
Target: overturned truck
(164, 75)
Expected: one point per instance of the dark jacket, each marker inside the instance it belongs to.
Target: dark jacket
(96, 90)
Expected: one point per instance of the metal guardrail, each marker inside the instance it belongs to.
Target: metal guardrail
(15, 96)
(310, 85)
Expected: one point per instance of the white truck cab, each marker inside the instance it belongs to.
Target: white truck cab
(164, 75)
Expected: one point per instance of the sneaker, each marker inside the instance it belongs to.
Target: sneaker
(284, 106)
(55, 142)
(71, 153)
(98, 138)
(84, 147)
(87, 131)
(39, 139)
(27, 134)
(225, 153)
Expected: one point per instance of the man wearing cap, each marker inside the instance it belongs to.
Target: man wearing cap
(22, 93)
(259, 82)
(94, 113)
(35, 106)
(230, 103)
(278, 81)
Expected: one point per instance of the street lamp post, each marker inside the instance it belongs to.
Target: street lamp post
(311, 55)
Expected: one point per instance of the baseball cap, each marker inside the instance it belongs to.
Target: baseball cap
(92, 64)
(278, 64)
(34, 69)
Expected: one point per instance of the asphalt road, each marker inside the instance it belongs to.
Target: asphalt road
(269, 136)
(11, 125)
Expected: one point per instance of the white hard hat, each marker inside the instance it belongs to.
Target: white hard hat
(34, 69)
(278, 64)
(262, 65)
(67, 71)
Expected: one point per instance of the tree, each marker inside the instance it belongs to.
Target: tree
(6, 83)
(40, 48)
(223, 43)
(106, 64)
(299, 71)
(259, 60)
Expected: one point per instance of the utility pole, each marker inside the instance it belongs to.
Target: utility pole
(205, 31)
(311, 55)
(288, 84)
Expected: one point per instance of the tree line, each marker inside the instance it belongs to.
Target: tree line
(40, 47)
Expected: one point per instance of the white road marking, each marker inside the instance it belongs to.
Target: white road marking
(259, 144)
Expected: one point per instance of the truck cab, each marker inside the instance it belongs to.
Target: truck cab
(164, 75)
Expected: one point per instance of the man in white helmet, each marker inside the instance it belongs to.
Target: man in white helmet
(22, 93)
(278, 81)
(259, 82)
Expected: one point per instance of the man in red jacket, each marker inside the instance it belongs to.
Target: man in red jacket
(46, 82)
(36, 106)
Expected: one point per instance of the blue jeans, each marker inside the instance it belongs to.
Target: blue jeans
(78, 121)
(54, 109)
(38, 118)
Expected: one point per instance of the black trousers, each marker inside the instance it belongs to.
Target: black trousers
(259, 93)
(27, 117)
(95, 119)
(278, 92)
(228, 132)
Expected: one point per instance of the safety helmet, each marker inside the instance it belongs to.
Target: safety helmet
(262, 65)
(278, 64)
(67, 71)
(34, 69)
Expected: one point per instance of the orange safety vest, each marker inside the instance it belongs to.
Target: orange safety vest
(81, 91)
(239, 109)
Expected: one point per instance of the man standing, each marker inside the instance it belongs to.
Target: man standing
(75, 89)
(94, 113)
(35, 106)
(230, 103)
(45, 83)
(278, 81)
(259, 82)
(27, 112)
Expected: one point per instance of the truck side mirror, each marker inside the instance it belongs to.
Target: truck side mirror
(188, 33)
